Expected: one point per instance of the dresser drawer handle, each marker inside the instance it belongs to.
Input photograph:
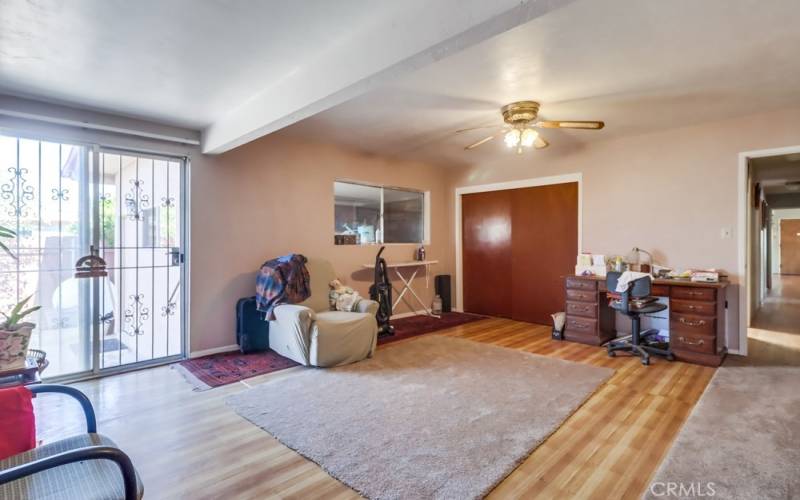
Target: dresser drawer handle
(689, 342)
(580, 326)
(692, 293)
(692, 323)
(581, 309)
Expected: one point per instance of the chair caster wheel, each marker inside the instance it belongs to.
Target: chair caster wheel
(612, 354)
(646, 361)
(670, 357)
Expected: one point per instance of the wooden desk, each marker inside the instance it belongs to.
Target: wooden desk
(696, 316)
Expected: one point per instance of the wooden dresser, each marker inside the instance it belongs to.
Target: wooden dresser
(696, 316)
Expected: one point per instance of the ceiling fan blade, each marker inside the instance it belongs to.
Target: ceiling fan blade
(462, 130)
(482, 141)
(588, 125)
(540, 143)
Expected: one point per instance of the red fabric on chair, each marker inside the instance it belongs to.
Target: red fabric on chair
(18, 429)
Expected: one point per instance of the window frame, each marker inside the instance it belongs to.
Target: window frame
(426, 211)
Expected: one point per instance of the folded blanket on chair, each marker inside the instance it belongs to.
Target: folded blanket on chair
(283, 280)
(629, 277)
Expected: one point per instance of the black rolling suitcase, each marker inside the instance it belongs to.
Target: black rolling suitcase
(252, 331)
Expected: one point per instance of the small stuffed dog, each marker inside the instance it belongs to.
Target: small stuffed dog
(343, 298)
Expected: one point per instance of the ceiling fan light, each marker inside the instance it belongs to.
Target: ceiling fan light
(528, 137)
(512, 138)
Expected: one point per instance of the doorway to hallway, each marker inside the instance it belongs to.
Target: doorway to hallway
(774, 252)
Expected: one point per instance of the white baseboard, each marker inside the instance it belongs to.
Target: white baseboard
(215, 350)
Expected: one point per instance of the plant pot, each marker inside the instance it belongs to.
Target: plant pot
(14, 346)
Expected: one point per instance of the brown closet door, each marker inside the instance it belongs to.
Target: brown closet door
(544, 247)
(486, 251)
(790, 246)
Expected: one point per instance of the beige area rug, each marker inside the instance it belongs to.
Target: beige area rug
(433, 417)
(742, 440)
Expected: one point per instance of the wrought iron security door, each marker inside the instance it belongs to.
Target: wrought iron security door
(140, 237)
(66, 201)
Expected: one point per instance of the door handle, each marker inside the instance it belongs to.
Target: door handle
(176, 256)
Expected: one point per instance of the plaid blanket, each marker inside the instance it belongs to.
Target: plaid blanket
(283, 280)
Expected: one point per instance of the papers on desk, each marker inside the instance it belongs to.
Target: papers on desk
(591, 265)
(705, 276)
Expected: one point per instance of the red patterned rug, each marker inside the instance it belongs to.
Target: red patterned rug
(229, 367)
(420, 325)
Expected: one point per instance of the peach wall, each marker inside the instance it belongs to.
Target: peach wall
(275, 196)
(669, 192)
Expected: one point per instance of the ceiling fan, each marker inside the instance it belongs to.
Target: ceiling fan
(519, 131)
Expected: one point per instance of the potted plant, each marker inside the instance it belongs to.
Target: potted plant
(6, 233)
(15, 335)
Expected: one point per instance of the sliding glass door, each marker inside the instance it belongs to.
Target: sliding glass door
(66, 201)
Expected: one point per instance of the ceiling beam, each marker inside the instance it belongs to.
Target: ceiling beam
(421, 33)
(56, 114)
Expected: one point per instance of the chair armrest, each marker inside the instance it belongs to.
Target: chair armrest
(88, 453)
(88, 410)
(367, 306)
(293, 313)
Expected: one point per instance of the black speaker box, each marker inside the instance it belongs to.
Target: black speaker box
(442, 286)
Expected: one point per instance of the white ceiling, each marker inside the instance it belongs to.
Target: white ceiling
(237, 69)
(639, 65)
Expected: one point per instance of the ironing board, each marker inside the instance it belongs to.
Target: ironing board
(414, 265)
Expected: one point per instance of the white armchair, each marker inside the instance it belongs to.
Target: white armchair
(313, 335)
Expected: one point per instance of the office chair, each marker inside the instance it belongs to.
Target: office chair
(626, 304)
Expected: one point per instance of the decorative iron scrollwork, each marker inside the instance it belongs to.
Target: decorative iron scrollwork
(169, 309)
(62, 194)
(135, 315)
(17, 191)
(136, 200)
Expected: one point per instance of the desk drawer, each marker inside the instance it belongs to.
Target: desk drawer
(585, 309)
(693, 307)
(581, 284)
(697, 325)
(581, 295)
(581, 325)
(692, 342)
(693, 293)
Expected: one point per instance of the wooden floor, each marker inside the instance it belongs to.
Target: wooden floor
(191, 445)
(774, 336)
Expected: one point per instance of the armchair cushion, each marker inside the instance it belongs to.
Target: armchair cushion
(87, 480)
(339, 338)
(368, 306)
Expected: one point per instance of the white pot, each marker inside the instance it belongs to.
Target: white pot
(14, 346)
